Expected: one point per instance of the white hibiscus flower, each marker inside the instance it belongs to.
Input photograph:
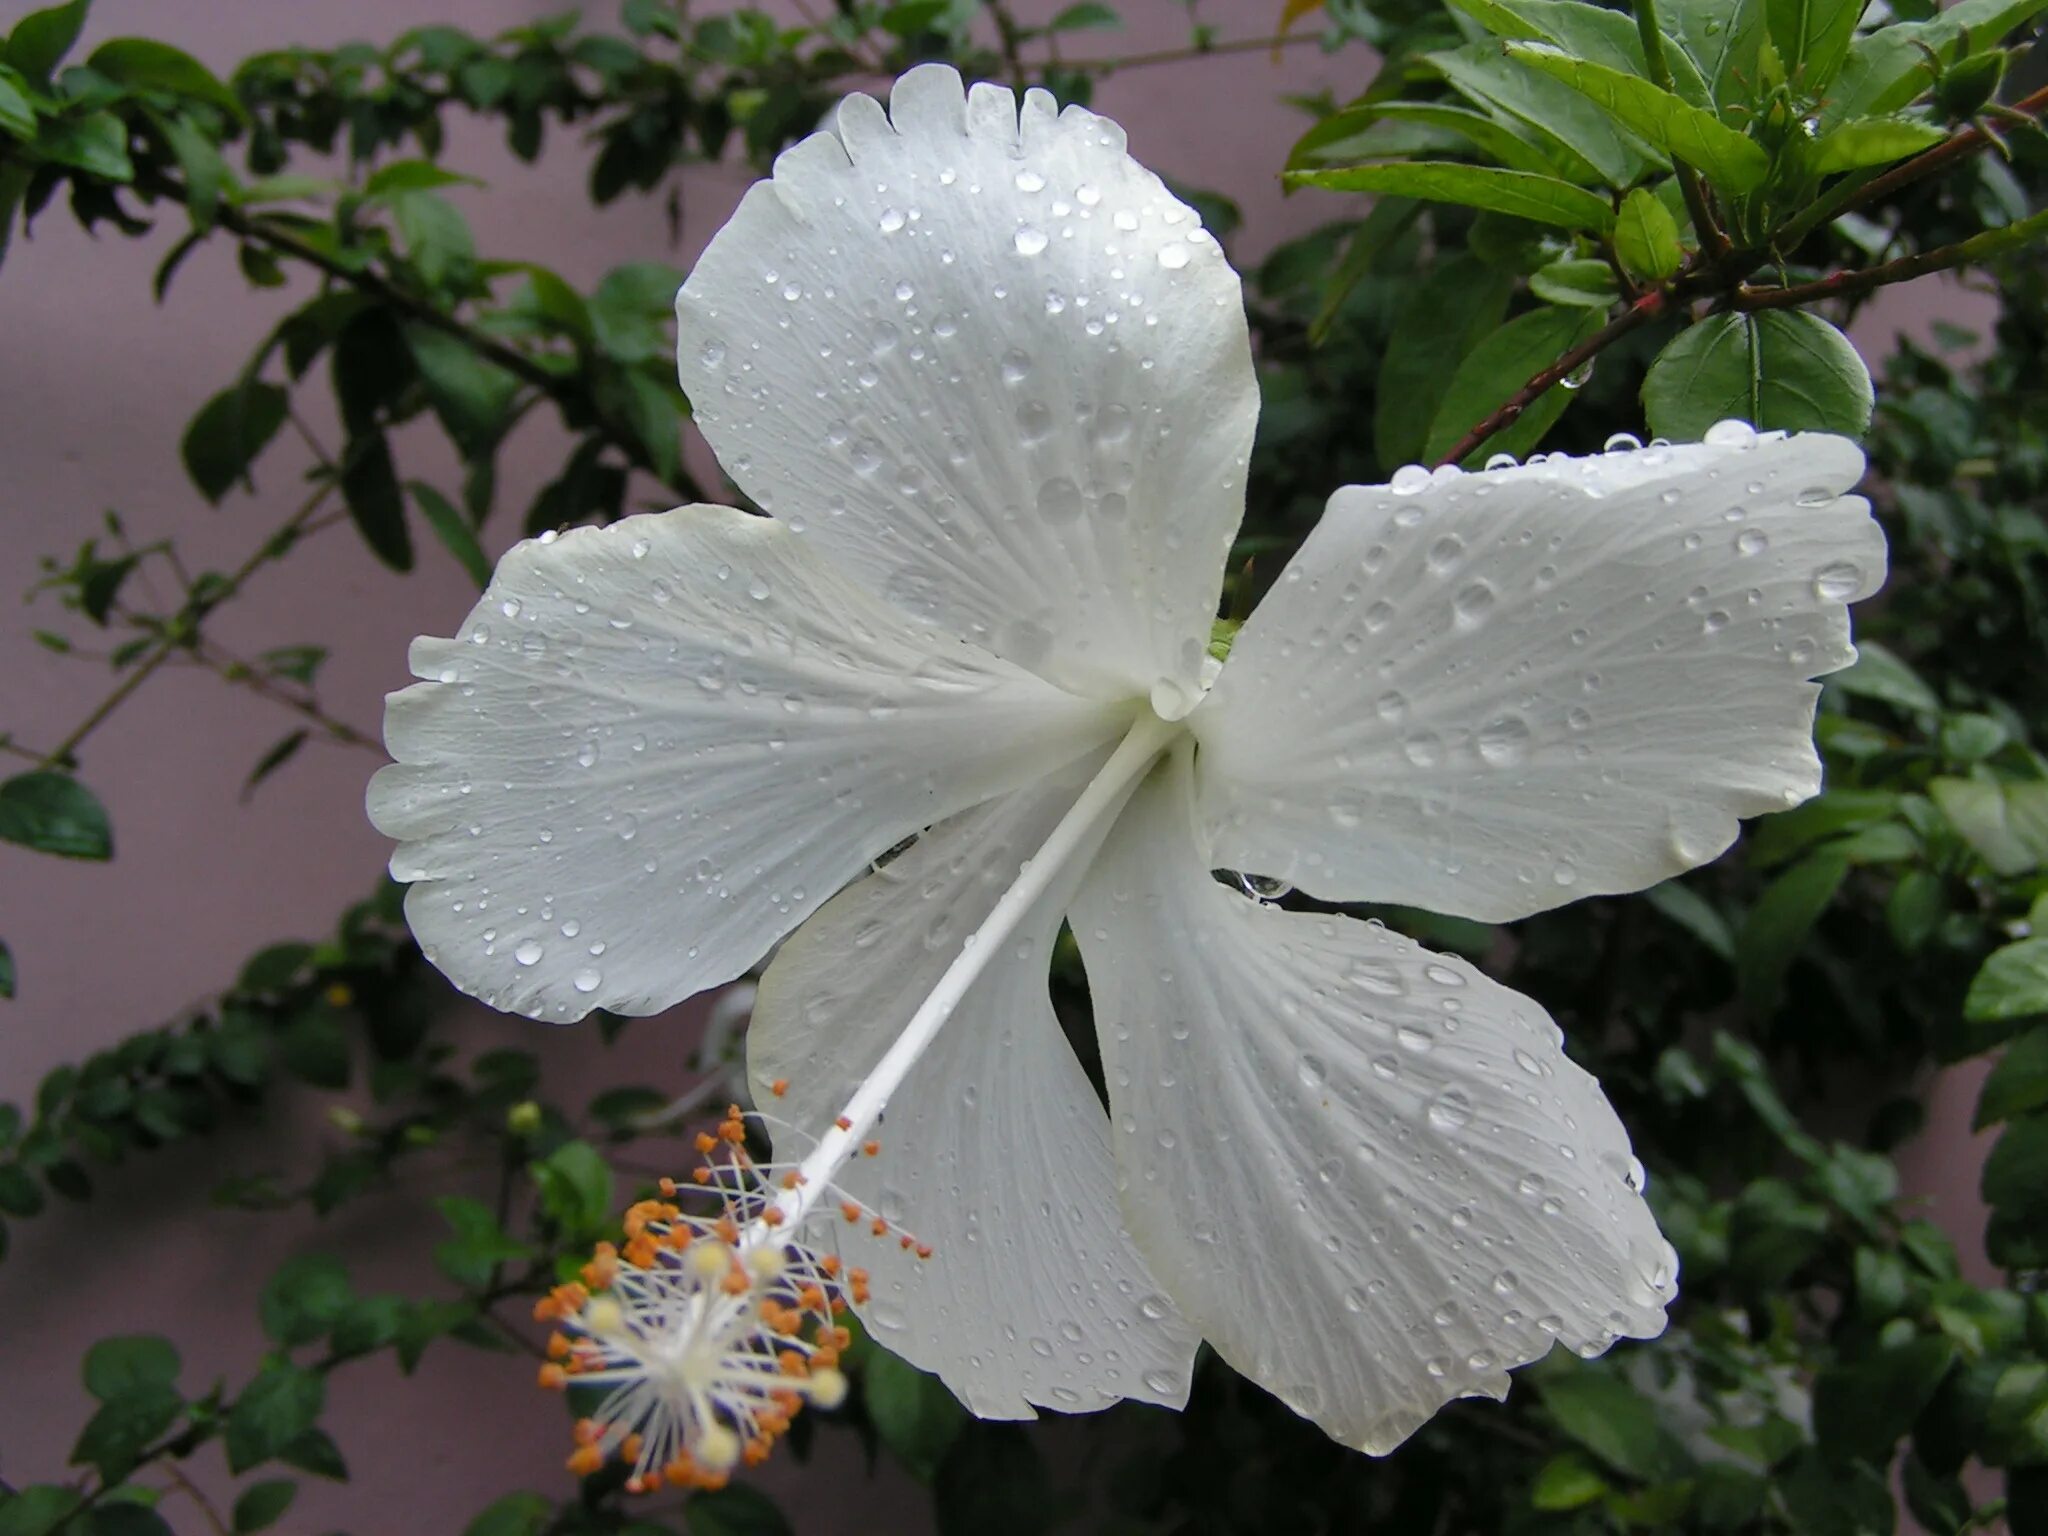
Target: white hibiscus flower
(994, 384)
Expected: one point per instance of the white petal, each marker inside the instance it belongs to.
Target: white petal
(1503, 691)
(995, 368)
(1367, 1173)
(996, 1151)
(654, 748)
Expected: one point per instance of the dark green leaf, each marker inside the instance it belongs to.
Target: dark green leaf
(117, 1367)
(1778, 924)
(305, 1298)
(42, 38)
(36, 1510)
(1865, 1402)
(575, 1187)
(144, 64)
(1497, 368)
(52, 812)
(1981, 813)
(400, 176)
(437, 237)
(1611, 1419)
(262, 1505)
(1878, 673)
(369, 485)
(1584, 142)
(630, 311)
(992, 1483)
(2016, 1173)
(914, 1413)
(96, 143)
(229, 432)
(1776, 369)
(1455, 306)
(17, 112)
(1523, 194)
(314, 1047)
(1086, 15)
(277, 1407)
(516, 1514)
(453, 530)
(205, 172)
(2019, 1083)
(737, 1511)
(471, 395)
(6, 970)
(1872, 141)
(2011, 984)
(1578, 282)
(1723, 39)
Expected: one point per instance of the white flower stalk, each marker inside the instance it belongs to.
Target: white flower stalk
(994, 386)
(705, 1333)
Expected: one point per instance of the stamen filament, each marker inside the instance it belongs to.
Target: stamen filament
(1146, 739)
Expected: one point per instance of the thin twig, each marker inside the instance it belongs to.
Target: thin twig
(1195, 51)
(244, 674)
(191, 1490)
(1640, 313)
(1853, 284)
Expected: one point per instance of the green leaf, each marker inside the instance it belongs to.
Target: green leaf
(575, 1187)
(52, 812)
(1586, 144)
(278, 1406)
(17, 112)
(314, 1047)
(96, 143)
(631, 309)
(274, 757)
(1611, 1419)
(42, 38)
(736, 1511)
(1878, 673)
(1872, 141)
(1723, 39)
(2016, 1173)
(1498, 367)
(516, 1514)
(1777, 370)
(305, 1298)
(436, 235)
(1777, 926)
(1086, 15)
(1812, 38)
(206, 173)
(6, 970)
(1566, 1482)
(2018, 1084)
(2011, 984)
(1889, 68)
(118, 1367)
(1863, 1403)
(480, 1244)
(36, 1510)
(993, 1484)
(1646, 237)
(400, 176)
(1681, 130)
(144, 64)
(1457, 304)
(369, 485)
(229, 432)
(452, 529)
(1326, 143)
(914, 1413)
(1581, 282)
(1979, 811)
(472, 396)
(262, 1505)
(1695, 914)
(1523, 194)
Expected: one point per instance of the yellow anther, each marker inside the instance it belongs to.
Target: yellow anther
(708, 1261)
(827, 1388)
(716, 1449)
(766, 1263)
(603, 1315)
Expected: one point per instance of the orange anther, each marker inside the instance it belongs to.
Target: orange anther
(779, 1087)
(735, 1282)
(773, 1216)
(843, 1123)
(924, 1250)
(553, 1377)
(728, 1229)
(558, 1346)
(706, 1143)
(586, 1460)
(700, 1175)
(909, 1242)
(830, 1264)
(668, 1187)
(850, 1210)
(879, 1227)
(630, 1448)
(871, 1148)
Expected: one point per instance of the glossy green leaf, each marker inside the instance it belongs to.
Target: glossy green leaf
(1544, 199)
(1491, 138)
(1981, 813)
(53, 812)
(1879, 673)
(17, 112)
(1646, 237)
(96, 143)
(1583, 140)
(472, 395)
(1611, 1419)
(40, 39)
(1683, 131)
(1776, 369)
(917, 1418)
(2019, 1083)
(369, 487)
(1812, 38)
(1864, 1402)
(1581, 282)
(1872, 141)
(229, 432)
(1723, 39)
(278, 1406)
(1497, 368)
(1778, 925)
(262, 1505)
(2015, 1176)
(1889, 68)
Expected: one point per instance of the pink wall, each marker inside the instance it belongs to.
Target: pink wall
(96, 386)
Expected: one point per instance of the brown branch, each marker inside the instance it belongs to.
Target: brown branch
(1853, 284)
(1638, 314)
(244, 674)
(191, 1490)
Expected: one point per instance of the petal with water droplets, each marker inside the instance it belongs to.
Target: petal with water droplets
(989, 362)
(1367, 1173)
(1489, 694)
(654, 748)
(995, 1151)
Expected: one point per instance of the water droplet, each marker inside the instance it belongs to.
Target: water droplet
(1059, 500)
(1444, 553)
(1174, 255)
(891, 220)
(587, 980)
(1016, 366)
(1837, 581)
(1030, 240)
(1376, 978)
(1752, 541)
(1472, 604)
(1505, 742)
(1313, 1070)
(1264, 887)
(1412, 1037)
(1034, 421)
(1409, 479)
(711, 354)
(586, 755)
(1623, 442)
(1423, 749)
(529, 952)
(1030, 181)
(1450, 1110)
(1730, 434)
